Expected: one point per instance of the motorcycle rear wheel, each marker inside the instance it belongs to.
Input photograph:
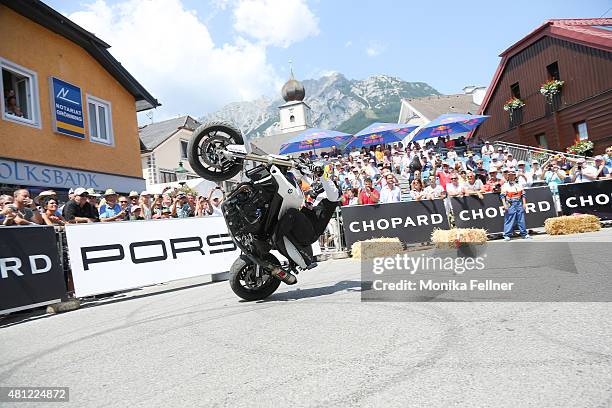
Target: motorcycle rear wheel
(205, 149)
(244, 283)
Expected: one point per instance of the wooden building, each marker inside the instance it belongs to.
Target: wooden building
(576, 51)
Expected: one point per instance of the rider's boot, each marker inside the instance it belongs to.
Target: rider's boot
(284, 276)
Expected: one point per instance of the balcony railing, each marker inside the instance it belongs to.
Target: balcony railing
(553, 104)
(516, 118)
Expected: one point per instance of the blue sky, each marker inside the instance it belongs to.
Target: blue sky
(448, 44)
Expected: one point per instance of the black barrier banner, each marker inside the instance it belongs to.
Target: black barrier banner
(30, 270)
(412, 222)
(594, 197)
(488, 212)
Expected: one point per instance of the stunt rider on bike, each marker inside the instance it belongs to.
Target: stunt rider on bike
(299, 228)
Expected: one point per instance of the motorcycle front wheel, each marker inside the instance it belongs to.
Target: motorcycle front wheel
(206, 147)
(247, 285)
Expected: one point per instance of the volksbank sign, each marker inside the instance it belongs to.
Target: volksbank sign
(41, 175)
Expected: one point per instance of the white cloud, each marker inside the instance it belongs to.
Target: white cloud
(171, 53)
(348, 44)
(275, 22)
(374, 49)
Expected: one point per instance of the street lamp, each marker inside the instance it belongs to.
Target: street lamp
(181, 174)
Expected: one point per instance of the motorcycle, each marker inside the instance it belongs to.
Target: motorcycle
(254, 208)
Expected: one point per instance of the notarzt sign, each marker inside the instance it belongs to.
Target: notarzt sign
(410, 222)
(108, 257)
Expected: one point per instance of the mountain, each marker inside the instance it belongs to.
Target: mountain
(337, 103)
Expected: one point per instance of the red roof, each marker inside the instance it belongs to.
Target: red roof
(592, 32)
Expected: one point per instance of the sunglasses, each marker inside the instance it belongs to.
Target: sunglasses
(454, 178)
(123, 202)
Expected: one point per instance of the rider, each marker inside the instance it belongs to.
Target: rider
(298, 229)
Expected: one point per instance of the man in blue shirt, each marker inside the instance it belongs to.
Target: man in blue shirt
(111, 210)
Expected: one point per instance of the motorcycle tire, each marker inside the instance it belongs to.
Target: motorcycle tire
(236, 273)
(205, 147)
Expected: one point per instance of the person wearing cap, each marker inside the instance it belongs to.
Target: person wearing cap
(535, 173)
(78, 210)
(136, 213)
(487, 149)
(522, 177)
(371, 169)
(111, 210)
(510, 161)
(493, 184)
(499, 154)
(93, 198)
(443, 175)
(43, 196)
(602, 171)
(133, 197)
(470, 163)
(181, 208)
(514, 201)
(495, 162)
(145, 205)
(214, 203)
(581, 172)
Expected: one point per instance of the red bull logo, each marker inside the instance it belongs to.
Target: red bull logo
(441, 130)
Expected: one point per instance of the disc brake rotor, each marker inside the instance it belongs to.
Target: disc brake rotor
(211, 151)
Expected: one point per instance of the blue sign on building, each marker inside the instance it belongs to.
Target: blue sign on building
(67, 108)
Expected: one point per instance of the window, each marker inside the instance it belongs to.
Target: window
(184, 144)
(99, 116)
(19, 92)
(515, 90)
(581, 132)
(291, 118)
(166, 176)
(553, 71)
(541, 140)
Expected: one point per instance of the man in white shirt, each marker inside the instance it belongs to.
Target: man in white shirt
(582, 172)
(535, 173)
(510, 161)
(454, 189)
(499, 155)
(434, 190)
(390, 193)
(487, 149)
(452, 154)
(523, 177)
(371, 169)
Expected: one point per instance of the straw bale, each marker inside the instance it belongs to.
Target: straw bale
(376, 247)
(455, 236)
(572, 224)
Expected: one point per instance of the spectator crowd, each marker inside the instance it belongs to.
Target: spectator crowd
(447, 168)
(377, 174)
(86, 206)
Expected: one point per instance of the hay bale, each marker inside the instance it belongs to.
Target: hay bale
(572, 224)
(376, 247)
(456, 236)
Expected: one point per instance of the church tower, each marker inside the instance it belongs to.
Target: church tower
(294, 113)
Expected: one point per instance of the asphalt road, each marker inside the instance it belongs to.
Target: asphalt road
(188, 344)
